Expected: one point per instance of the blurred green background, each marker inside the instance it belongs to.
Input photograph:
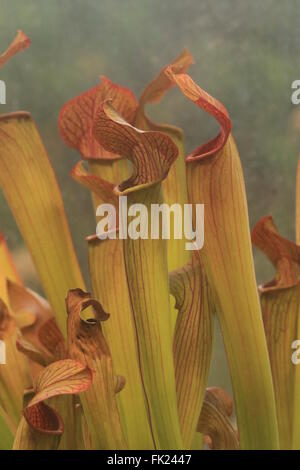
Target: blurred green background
(247, 55)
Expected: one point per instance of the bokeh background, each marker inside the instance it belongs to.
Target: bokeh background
(247, 55)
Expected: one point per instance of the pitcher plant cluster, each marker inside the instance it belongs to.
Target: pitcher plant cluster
(127, 366)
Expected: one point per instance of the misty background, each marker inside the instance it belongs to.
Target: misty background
(247, 55)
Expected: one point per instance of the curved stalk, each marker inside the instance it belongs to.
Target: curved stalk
(152, 154)
(215, 179)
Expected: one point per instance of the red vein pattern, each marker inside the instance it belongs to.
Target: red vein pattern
(52, 340)
(64, 377)
(214, 420)
(44, 419)
(86, 343)
(283, 254)
(280, 300)
(103, 189)
(107, 271)
(26, 170)
(174, 186)
(76, 119)
(192, 344)
(155, 91)
(215, 179)
(151, 153)
(210, 105)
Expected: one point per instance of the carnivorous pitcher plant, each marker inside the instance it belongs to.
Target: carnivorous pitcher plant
(126, 366)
